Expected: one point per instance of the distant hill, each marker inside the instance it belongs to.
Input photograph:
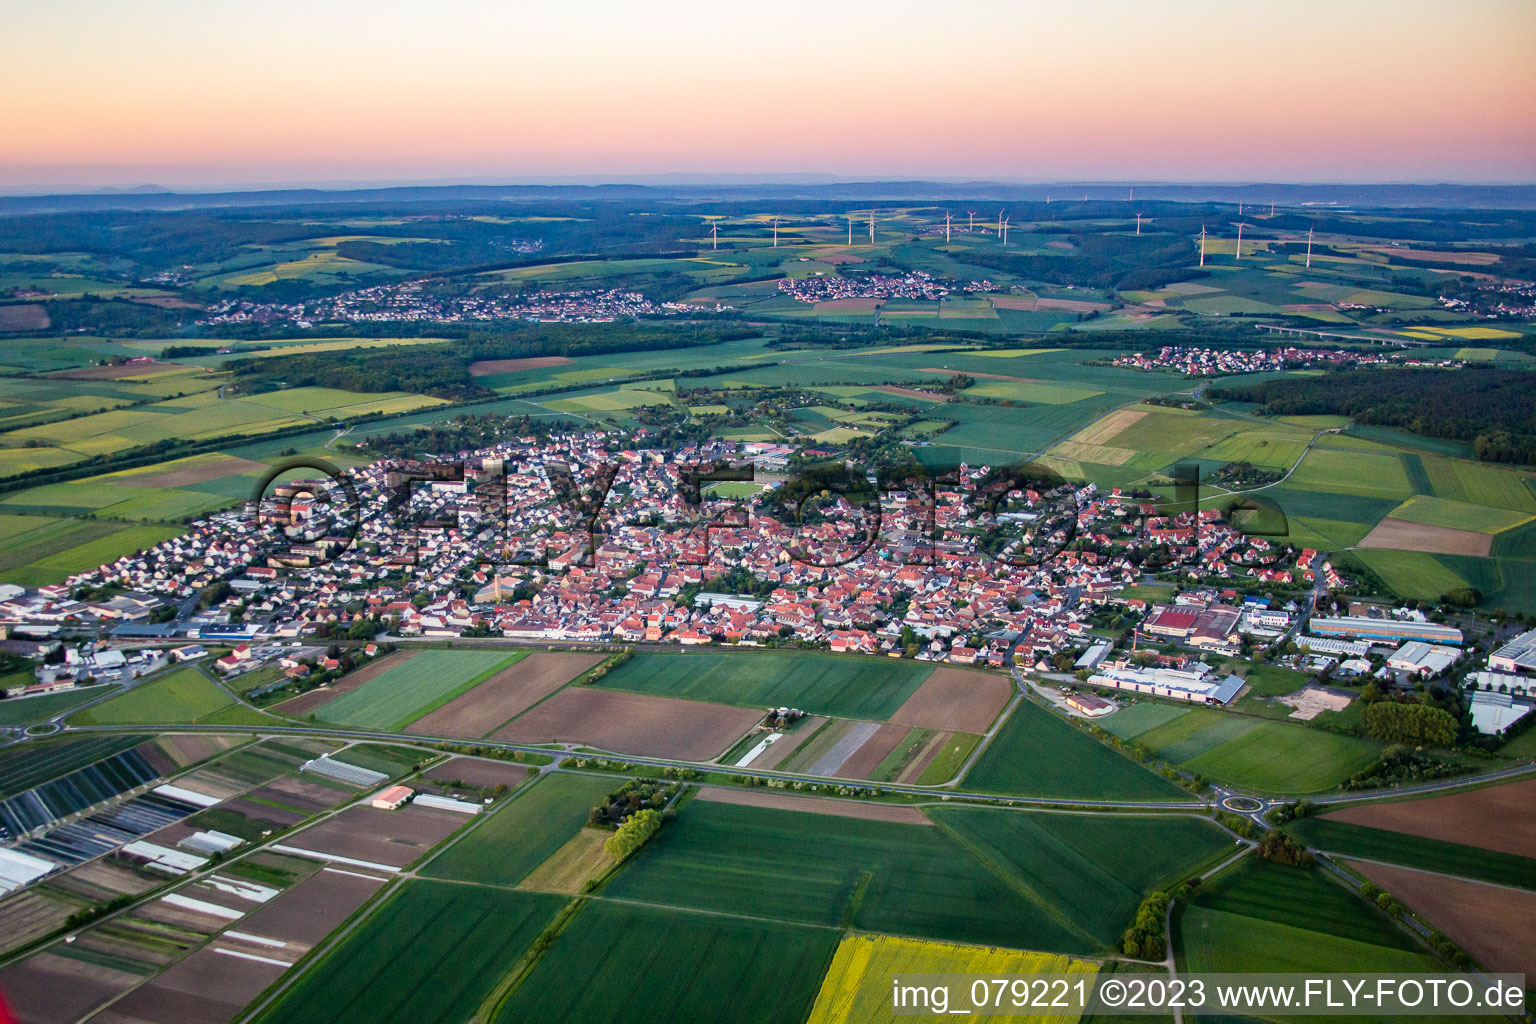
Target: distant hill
(1258, 194)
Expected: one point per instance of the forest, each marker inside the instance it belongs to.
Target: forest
(1493, 410)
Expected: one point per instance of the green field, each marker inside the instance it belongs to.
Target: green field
(1417, 852)
(1411, 574)
(1038, 754)
(819, 869)
(1113, 860)
(1459, 515)
(1352, 472)
(19, 711)
(812, 868)
(1134, 719)
(514, 840)
(849, 686)
(1266, 756)
(186, 695)
(59, 548)
(628, 963)
(405, 693)
(1262, 916)
(465, 937)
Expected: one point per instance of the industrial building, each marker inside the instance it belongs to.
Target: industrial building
(1519, 655)
(1333, 645)
(1093, 656)
(1088, 704)
(1423, 659)
(1495, 712)
(1197, 685)
(1503, 682)
(1355, 627)
(393, 798)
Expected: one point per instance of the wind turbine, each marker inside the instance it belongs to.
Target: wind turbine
(775, 232)
(714, 233)
(999, 223)
(946, 227)
(1132, 197)
(1239, 239)
(1309, 248)
(1202, 245)
(1005, 229)
(1271, 209)
(871, 226)
(1138, 225)
(972, 228)
(850, 231)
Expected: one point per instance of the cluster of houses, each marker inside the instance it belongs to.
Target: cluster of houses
(1194, 361)
(411, 302)
(498, 553)
(916, 284)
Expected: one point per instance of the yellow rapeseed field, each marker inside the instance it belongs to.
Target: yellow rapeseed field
(857, 987)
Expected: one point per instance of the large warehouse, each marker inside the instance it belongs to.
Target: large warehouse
(1355, 627)
(1519, 655)
(1199, 685)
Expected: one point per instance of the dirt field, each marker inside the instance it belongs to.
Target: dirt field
(28, 915)
(305, 703)
(956, 700)
(308, 912)
(1311, 701)
(473, 771)
(102, 879)
(863, 304)
(486, 367)
(813, 748)
(1437, 540)
(27, 316)
(921, 396)
(1496, 818)
(207, 987)
(301, 793)
(631, 723)
(183, 750)
(1072, 305)
(874, 750)
(1497, 925)
(195, 474)
(51, 989)
(505, 695)
(1108, 427)
(814, 805)
(394, 838)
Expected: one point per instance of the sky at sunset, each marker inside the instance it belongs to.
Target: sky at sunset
(184, 93)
